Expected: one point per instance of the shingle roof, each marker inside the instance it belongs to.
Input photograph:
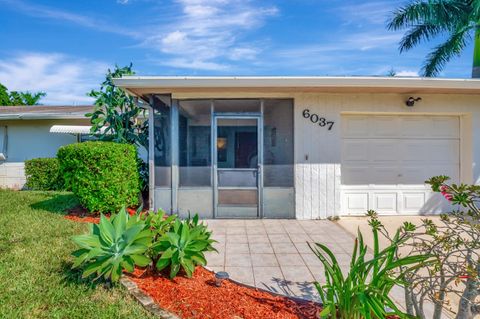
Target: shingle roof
(44, 112)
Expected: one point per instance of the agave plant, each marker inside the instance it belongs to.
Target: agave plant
(183, 246)
(363, 293)
(113, 246)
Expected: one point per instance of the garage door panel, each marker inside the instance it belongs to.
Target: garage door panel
(444, 151)
(356, 203)
(412, 175)
(383, 175)
(385, 202)
(445, 127)
(449, 170)
(385, 126)
(382, 150)
(414, 127)
(413, 150)
(355, 150)
(413, 202)
(355, 175)
(386, 162)
(356, 126)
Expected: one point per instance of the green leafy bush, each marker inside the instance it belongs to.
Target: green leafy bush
(113, 246)
(103, 175)
(363, 293)
(183, 246)
(43, 174)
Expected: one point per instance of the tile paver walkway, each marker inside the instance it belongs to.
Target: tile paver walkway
(274, 255)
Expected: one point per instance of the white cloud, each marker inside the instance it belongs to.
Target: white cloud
(406, 73)
(66, 80)
(245, 53)
(194, 64)
(203, 35)
(207, 32)
(371, 12)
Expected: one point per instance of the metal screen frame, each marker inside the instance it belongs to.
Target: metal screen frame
(238, 116)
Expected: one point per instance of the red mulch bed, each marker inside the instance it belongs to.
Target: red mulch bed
(199, 298)
(82, 215)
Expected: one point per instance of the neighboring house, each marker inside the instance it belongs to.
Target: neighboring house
(307, 147)
(26, 132)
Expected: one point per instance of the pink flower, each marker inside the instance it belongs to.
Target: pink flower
(447, 196)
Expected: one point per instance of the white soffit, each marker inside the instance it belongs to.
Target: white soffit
(133, 82)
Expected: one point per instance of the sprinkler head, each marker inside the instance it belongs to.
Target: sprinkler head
(219, 277)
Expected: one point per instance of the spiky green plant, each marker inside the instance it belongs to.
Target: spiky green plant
(458, 21)
(363, 293)
(183, 246)
(113, 246)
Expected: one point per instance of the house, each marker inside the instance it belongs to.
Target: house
(28, 132)
(307, 147)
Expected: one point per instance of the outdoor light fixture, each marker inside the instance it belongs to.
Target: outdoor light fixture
(411, 101)
(220, 277)
(221, 143)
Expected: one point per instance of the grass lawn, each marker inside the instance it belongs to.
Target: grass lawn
(35, 276)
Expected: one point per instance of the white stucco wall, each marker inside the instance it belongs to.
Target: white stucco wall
(29, 139)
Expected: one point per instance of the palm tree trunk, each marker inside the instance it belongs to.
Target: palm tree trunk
(476, 54)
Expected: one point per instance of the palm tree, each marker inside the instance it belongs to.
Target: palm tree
(457, 20)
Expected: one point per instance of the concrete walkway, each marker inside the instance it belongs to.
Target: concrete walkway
(274, 255)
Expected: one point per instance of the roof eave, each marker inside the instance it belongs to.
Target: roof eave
(41, 117)
(145, 82)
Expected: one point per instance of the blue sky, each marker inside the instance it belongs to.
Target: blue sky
(65, 47)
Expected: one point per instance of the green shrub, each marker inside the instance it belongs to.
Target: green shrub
(103, 175)
(183, 246)
(43, 174)
(364, 291)
(113, 246)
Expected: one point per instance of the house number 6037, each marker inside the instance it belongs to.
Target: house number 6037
(316, 119)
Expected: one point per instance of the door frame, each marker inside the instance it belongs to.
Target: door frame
(214, 131)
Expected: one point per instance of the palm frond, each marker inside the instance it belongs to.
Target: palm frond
(444, 13)
(454, 45)
(414, 36)
(476, 7)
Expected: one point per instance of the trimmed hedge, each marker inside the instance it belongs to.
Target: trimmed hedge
(103, 175)
(43, 174)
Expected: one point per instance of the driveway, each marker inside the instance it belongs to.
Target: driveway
(274, 255)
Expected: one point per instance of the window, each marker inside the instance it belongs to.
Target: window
(162, 141)
(195, 143)
(278, 143)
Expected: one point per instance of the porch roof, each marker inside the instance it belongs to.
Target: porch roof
(142, 85)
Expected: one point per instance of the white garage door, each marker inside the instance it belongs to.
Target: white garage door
(387, 158)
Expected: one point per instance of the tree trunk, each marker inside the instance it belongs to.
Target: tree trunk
(476, 54)
(409, 301)
(469, 294)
